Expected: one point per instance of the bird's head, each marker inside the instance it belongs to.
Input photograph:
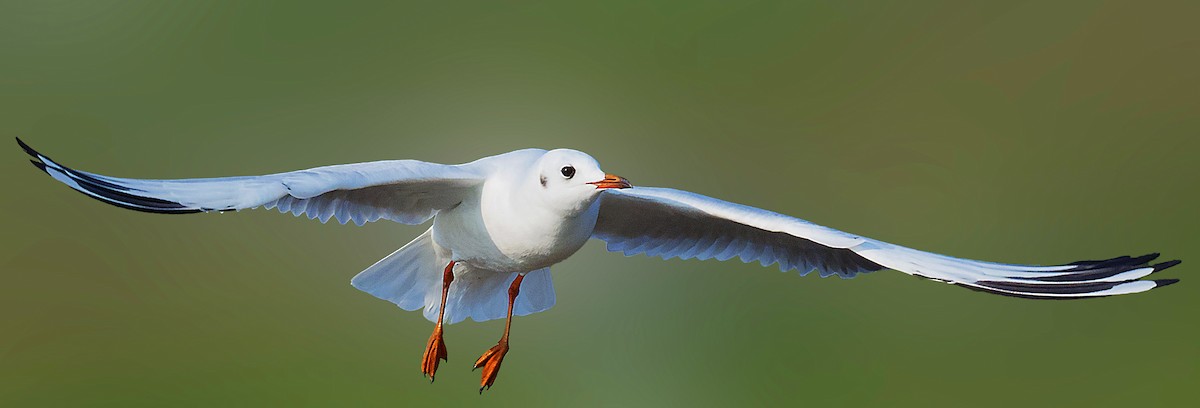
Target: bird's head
(572, 179)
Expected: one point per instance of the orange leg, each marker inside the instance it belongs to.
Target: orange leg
(436, 348)
(491, 359)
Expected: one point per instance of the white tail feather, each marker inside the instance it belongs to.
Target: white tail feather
(411, 278)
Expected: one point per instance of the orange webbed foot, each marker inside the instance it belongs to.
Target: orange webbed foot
(490, 362)
(435, 351)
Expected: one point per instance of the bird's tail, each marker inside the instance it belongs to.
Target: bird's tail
(411, 278)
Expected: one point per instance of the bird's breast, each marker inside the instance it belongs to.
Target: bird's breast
(507, 238)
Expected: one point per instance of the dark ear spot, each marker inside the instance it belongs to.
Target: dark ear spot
(543, 180)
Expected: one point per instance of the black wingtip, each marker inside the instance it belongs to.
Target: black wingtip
(1093, 270)
(1164, 282)
(41, 166)
(28, 150)
(1144, 259)
(37, 157)
(1165, 265)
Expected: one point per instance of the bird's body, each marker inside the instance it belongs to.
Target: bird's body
(500, 222)
(500, 226)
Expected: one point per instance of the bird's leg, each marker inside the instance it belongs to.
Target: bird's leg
(491, 359)
(436, 348)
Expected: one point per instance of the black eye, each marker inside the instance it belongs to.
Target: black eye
(568, 172)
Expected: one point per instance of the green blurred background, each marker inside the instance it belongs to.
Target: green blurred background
(1018, 131)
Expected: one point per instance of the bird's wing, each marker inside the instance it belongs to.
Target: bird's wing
(671, 223)
(405, 191)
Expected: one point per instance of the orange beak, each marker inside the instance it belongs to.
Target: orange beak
(612, 181)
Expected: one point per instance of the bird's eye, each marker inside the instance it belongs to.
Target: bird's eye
(568, 171)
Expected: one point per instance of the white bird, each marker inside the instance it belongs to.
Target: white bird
(500, 222)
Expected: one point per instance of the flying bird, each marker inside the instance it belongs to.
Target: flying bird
(500, 223)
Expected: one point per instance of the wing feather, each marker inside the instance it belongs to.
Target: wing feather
(671, 223)
(404, 191)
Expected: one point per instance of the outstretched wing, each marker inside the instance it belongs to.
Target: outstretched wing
(671, 223)
(404, 191)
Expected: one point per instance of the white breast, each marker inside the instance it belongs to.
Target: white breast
(499, 232)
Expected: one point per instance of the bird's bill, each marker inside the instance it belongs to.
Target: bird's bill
(612, 181)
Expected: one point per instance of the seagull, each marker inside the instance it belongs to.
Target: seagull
(500, 223)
